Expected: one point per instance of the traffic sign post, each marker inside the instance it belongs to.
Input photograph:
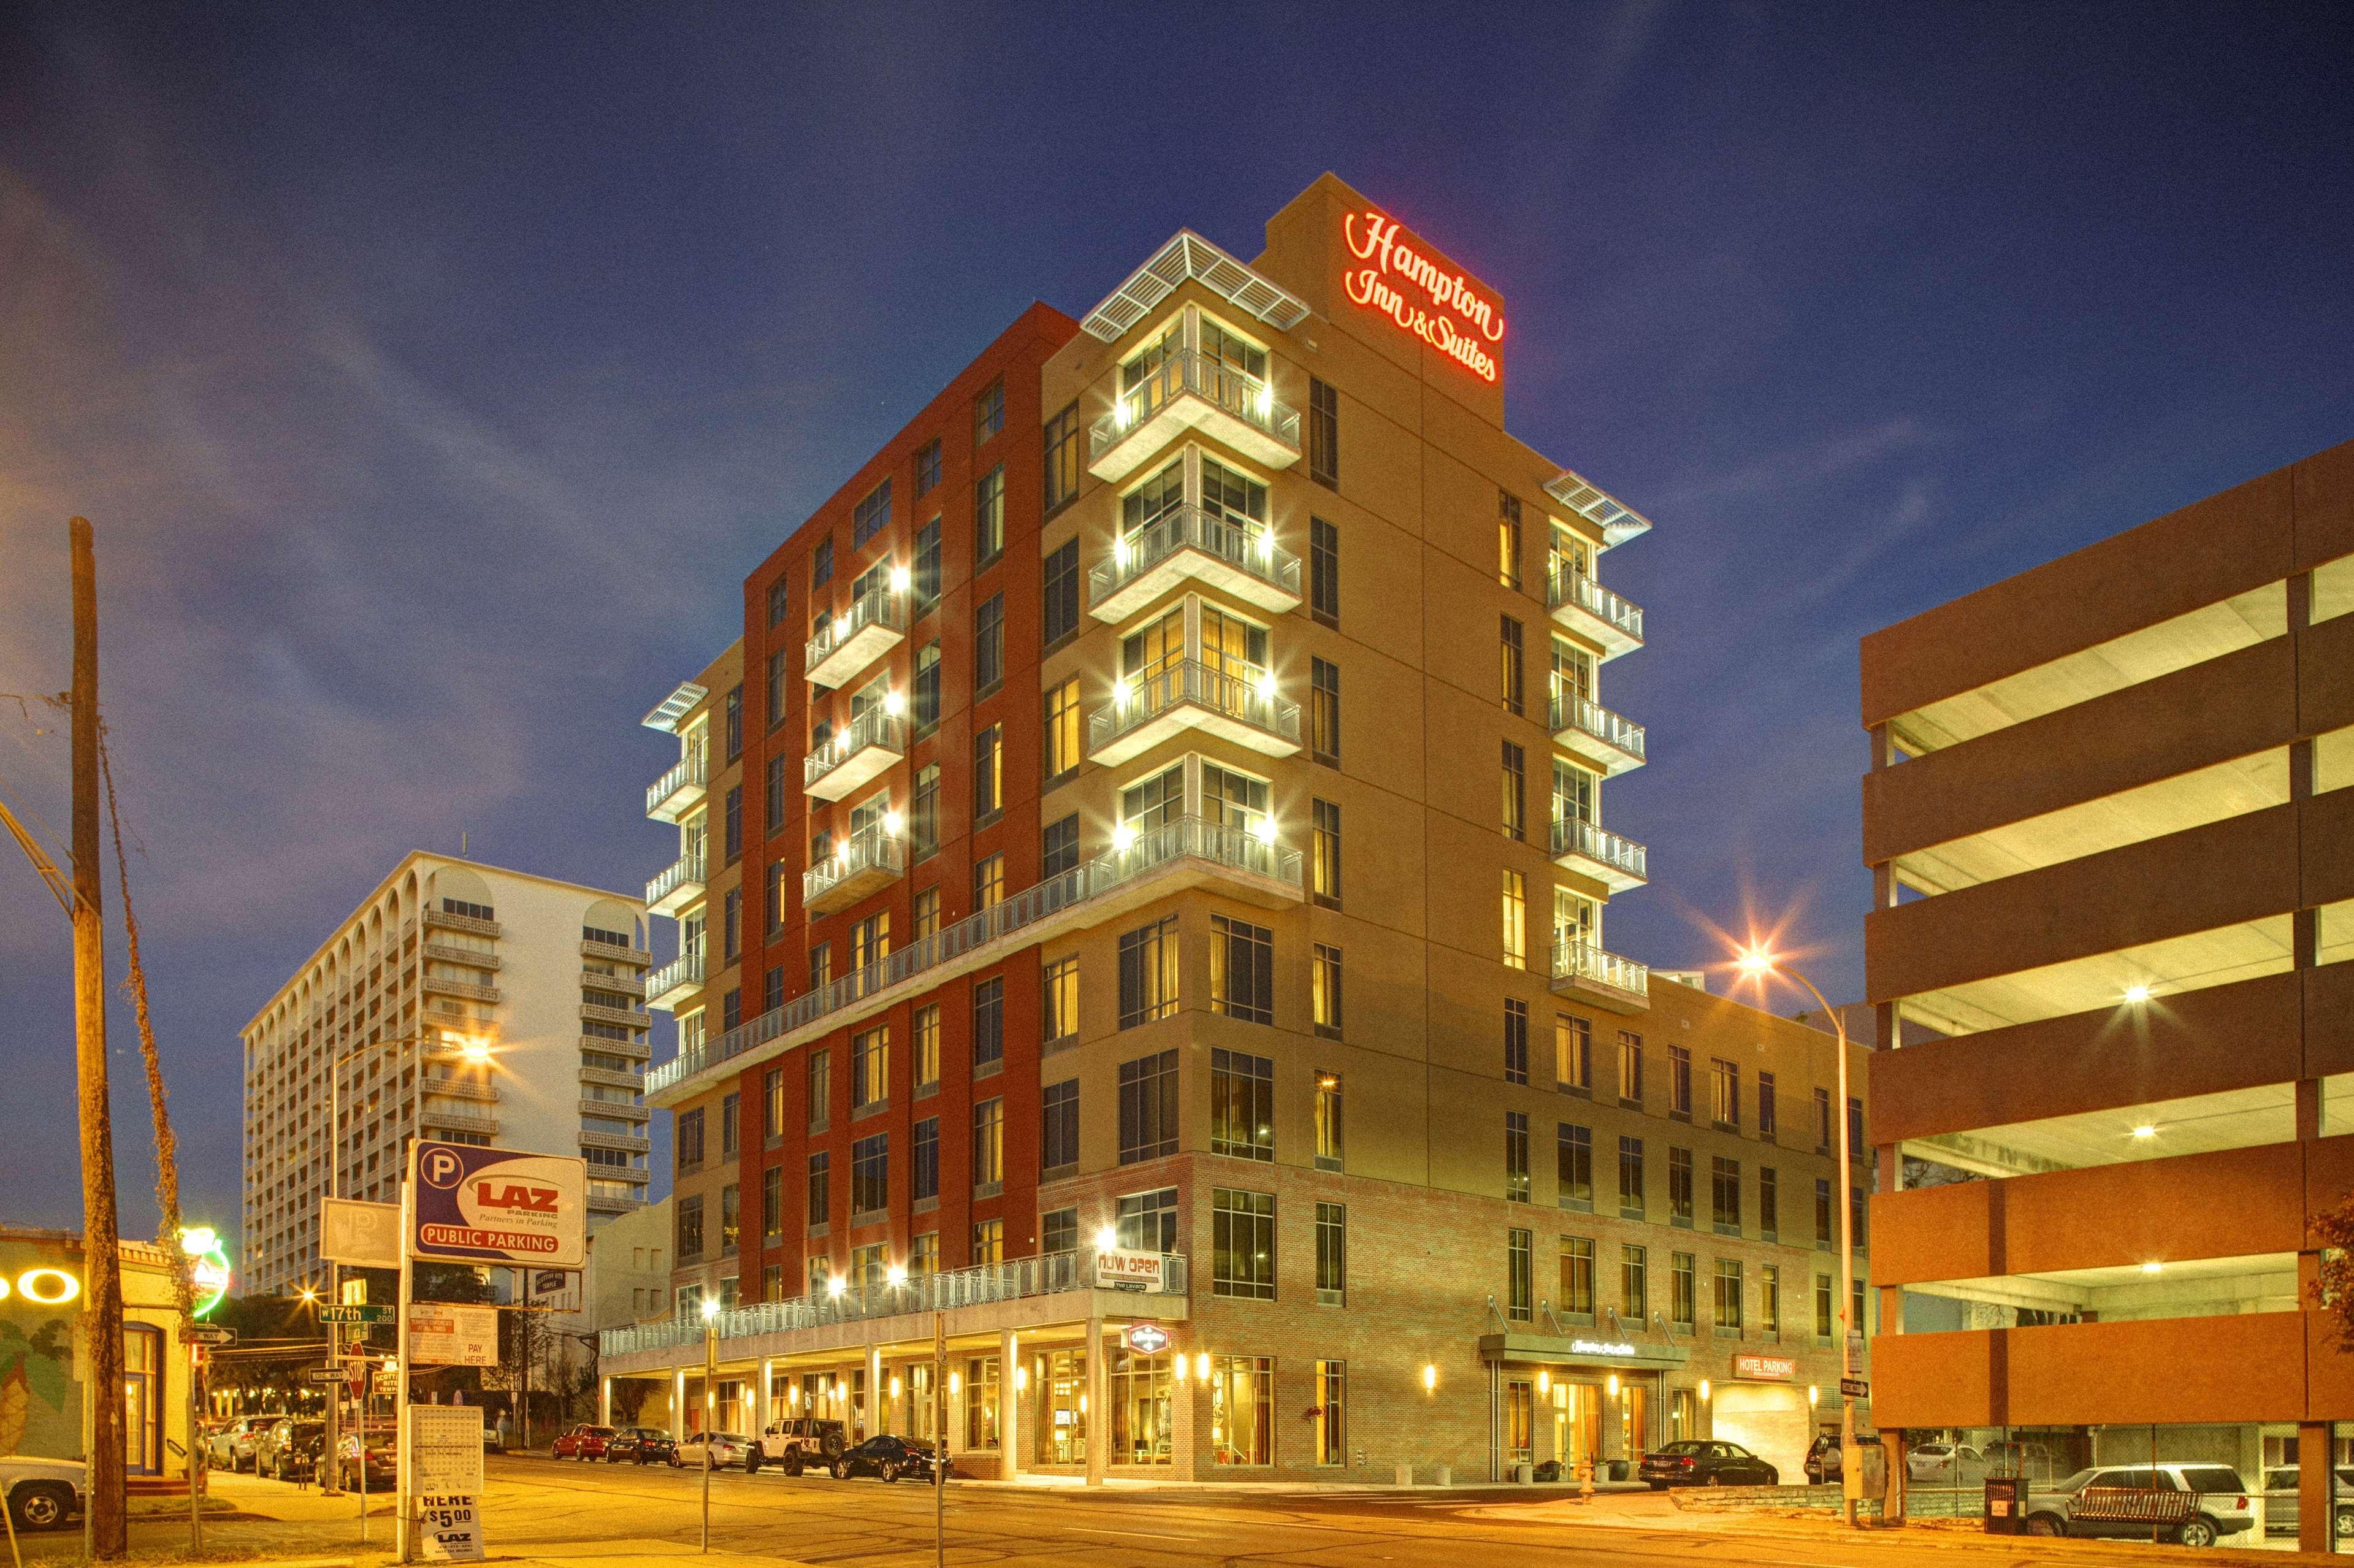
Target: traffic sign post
(1854, 1388)
(207, 1334)
(326, 1374)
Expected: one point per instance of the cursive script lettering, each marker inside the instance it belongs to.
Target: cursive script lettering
(1457, 316)
(1364, 285)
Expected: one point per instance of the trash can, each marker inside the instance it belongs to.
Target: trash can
(2006, 1505)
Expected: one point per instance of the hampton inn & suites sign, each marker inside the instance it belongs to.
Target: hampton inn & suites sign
(1421, 294)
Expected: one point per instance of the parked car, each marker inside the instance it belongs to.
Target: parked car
(887, 1456)
(2221, 1505)
(2035, 1461)
(1947, 1464)
(2280, 1503)
(1822, 1461)
(288, 1448)
(798, 1441)
(383, 1459)
(231, 1446)
(43, 1494)
(640, 1444)
(725, 1448)
(1699, 1462)
(583, 1442)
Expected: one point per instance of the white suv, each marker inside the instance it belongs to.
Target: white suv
(2220, 1504)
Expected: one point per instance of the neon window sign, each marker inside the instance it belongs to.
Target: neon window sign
(208, 1270)
(1421, 294)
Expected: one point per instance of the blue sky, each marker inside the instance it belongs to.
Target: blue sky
(432, 377)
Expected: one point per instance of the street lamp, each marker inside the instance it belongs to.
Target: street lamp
(1759, 964)
(710, 1402)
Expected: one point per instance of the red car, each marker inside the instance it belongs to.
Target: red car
(584, 1443)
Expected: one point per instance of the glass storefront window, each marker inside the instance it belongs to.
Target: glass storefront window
(981, 1399)
(1520, 1421)
(1062, 1382)
(1142, 1429)
(1242, 1411)
(1331, 1413)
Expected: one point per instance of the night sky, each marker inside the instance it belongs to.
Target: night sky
(433, 383)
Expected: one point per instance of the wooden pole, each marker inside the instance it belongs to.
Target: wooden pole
(101, 1237)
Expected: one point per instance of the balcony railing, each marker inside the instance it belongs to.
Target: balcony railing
(1576, 962)
(460, 1120)
(675, 886)
(1238, 555)
(674, 980)
(1596, 733)
(1238, 408)
(1582, 604)
(869, 856)
(865, 746)
(675, 790)
(851, 640)
(1616, 857)
(1238, 707)
(1185, 838)
(1056, 1274)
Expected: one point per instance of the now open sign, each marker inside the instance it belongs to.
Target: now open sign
(498, 1206)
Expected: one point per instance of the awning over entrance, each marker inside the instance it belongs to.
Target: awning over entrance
(1601, 1350)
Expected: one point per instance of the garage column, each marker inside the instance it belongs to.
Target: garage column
(764, 1408)
(2317, 1486)
(604, 1402)
(678, 1402)
(1009, 1408)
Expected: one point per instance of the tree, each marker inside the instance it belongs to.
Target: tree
(2333, 1292)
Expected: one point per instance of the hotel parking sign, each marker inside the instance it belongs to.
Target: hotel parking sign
(497, 1206)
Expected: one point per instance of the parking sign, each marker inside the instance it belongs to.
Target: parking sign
(498, 1206)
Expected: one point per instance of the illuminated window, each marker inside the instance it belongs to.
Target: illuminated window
(1573, 1052)
(1769, 1300)
(1330, 1129)
(1725, 1110)
(988, 773)
(1242, 1411)
(1631, 1068)
(1148, 972)
(988, 1147)
(1059, 999)
(1324, 712)
(1242, 1244)
(927, 1044)
(1062, 738)
(927, 912)
(1507, 539)
(1577, 1275)
(988, 517)
(1325, 854)
(989, 882)
(1516, 919)
(870, 1067)
(1520, 1283)
(989, 1241)
(1332, 1412)
(1324, 990)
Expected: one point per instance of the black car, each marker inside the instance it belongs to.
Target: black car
(887, 1456)
(1823, 1461)
(383, 1466)
(1700, 1462)
(641, 1446)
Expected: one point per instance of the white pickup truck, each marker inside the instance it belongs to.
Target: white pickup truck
(43, 1494)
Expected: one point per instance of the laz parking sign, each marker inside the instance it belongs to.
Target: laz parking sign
(497, 1206)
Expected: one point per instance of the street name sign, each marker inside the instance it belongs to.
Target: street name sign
(356, 1315)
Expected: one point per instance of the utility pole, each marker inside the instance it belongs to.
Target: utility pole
(100, 1239)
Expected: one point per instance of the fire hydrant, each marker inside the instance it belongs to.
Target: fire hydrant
(1586, 1479)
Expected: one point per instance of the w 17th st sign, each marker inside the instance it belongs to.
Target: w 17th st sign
(495, 1206)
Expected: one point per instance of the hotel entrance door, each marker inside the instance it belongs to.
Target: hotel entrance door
(1576, 1425)
(1634, 1420)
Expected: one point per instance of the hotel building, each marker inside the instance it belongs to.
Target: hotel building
(2112, 844)
(461, 1003)
(1154, 913)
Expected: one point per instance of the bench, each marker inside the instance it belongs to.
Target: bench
(2133, 1505)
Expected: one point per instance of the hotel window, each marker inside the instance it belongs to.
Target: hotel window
(989, 882)
(1577, 1275)
(1727, 1111)
(772, 1202)
(1573, 798)
(924, 817)
(1507, 539)
(1235, 649)
(1242, 1407)
(1823, 1298)
(988, 517)
(1242, 1244)
(1328, 1120)
(989, 773)
(1059, 999)
(988, 1242)
(1766, 1114)
(1683, 1303)
(1516, 784)
(1631, 1068)
(1324, 990)
(928, 468)
(870, 940)
(1063, 749)
(733, 726)
(1823, 1214)
(777, 687)
(1724, 1195)
(870, 1067)
(1148, 1108)
(731, 1119)
(821, 961)
(928, 1046)
(870, 1176)
(1220, 346)
(731, 925)
(927, 688)
(981, 1406)
(1680, 1099)
(1516, 1156)
(819, 1194)
(774, 794)
(1573, 1054)
(1573, 1166)
(926, 578)
(1516, 919)
(1058, 1134)
(1514, 665)
(1516, 1042)
(987, 1025)
(1232, 800)
(689, 1240)
(1147, 1221)
(1331, 1254)
(924, 1254)
(1630, 1178)
(1679, 1188)
(988, 1147)
(1059, 1229)
(779, 603)
(928, 912)
(926, 1175)
(1242, 1105)
(1156, 801)
(820, 1271)
(690, 1140)
(822, 564)
(1769, 1204)
(1324, 712)
(1769, 1300)
(989, 645)
(1242, 970)
(1634, 1284)
(1520, 1285)
(1058, 847)
(989, 412)
(1325, 854)
(820, 1087)
(772, 1104)
(1062, 573)
(733, 816)
(1331, 1413)
(1856, 1319)
(871, 515)
(1062, 443)
(1157, 497)
(1323, 433)
(1148, 972)
(1855, 1217)
(1856, 1148)
(1822, 1121)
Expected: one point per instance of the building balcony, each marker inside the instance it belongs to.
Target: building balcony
(443, 985)
(874, 624)
(1583, 970)
(622, 1142)
(872, 743)
(1190, 392)
(635, 1083)
(458, 1120)
(471, 956)
(620, 1110)
(676, 792)
(628, 985)
(460, 1090)
(674, 981)
(603, 1202)
(1593, 734)
(617, 954)
(466, 923)
(679, 885)
(628, 1018)
(1189, 695)
(1236, 556)
(1583, 606)
(862, 864)
(639, 1050)
(1617, 861)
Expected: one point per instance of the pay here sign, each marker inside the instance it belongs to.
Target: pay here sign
(495, 1206)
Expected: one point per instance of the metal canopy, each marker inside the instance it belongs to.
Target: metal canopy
(1191, 255)
(674, 707)
(1618, 523)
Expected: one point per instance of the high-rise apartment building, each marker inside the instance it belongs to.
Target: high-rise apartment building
(2112, 848)
(1168, 835)
(459, 1001)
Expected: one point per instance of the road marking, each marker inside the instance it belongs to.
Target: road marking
(1147, 1534)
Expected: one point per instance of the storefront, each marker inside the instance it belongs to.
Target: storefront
(1561, 1401)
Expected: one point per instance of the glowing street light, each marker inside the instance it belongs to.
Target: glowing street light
(2136, 994)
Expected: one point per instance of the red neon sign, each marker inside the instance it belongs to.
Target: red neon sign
(1450, 313)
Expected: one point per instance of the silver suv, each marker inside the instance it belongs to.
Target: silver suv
(2217, 1504)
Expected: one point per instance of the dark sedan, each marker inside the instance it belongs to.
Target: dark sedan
(887, 1456)
(383, 1466)
(642, 1445)
(1696, 1462)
